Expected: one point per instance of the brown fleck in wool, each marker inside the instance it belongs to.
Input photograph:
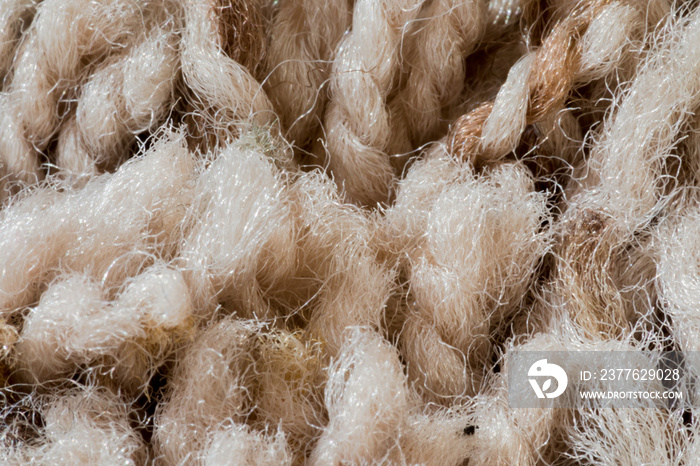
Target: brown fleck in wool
(554, 72)
(242, 31)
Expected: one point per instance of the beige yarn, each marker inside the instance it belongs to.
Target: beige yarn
(313, 232)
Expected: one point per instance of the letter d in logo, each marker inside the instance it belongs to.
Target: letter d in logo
(543, 369)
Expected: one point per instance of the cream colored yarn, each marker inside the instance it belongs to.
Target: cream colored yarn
(311, 232)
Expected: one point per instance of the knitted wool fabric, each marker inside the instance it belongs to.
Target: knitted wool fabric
(313, 231)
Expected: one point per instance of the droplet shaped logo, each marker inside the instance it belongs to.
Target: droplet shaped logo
(541, 369)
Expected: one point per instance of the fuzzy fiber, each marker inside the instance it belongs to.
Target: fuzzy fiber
(311, 231)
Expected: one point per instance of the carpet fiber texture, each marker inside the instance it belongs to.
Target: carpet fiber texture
(313, 231)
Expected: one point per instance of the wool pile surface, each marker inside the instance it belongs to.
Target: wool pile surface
(312, 231)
